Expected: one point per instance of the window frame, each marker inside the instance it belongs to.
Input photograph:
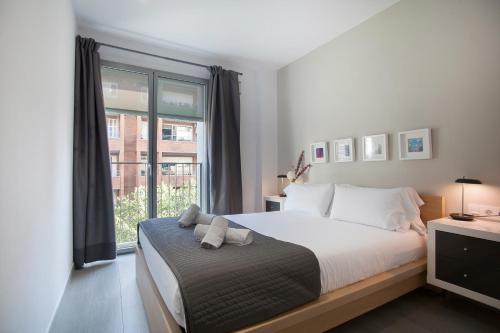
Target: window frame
(185, 126)
(153, 118)
(173, 134)
(113, 128)
(165, 127)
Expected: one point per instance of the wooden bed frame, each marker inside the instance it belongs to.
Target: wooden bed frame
(328, 311)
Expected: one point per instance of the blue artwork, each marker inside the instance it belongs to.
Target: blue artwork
(415, 145)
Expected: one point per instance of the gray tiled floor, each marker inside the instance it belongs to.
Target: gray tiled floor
(425, 311)
(104, 298)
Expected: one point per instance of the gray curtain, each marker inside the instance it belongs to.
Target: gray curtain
(223, 142)
(93, 216)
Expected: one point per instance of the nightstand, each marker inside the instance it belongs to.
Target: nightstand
(464, 258)
(273, 203)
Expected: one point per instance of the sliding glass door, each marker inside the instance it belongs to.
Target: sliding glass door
(180, 110)
(155, 124)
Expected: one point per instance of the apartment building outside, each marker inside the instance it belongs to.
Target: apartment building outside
(177, 151)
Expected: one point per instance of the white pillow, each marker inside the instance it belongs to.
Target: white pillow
(313, 199)
(414, 211)
(392, 209)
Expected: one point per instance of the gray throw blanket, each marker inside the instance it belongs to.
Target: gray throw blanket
(235, 286)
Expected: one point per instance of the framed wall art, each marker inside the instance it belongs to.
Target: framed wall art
(319, 152)
(343, 150)
(375, 147)
(415, 144)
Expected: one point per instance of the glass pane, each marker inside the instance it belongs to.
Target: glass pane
(113, 124)
(179, 165)
(131, 202)
(126, 103)
(125, 90)
(144, 128)
(180, 99)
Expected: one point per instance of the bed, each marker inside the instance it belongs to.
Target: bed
(356, 275)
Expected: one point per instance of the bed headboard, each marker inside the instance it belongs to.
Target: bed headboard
(433, 208)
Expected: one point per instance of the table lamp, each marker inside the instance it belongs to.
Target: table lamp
(282, 183)
(461, 216)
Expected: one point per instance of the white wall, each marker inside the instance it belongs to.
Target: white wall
(36, 125)
(417, 64)
(258, 101)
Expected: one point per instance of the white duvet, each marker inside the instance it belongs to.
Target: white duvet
(347, 252)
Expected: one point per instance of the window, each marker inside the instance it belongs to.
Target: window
(153, 116)
(184, 133)
(144, 161)
(113, 124)
(177, 165)
(167, 169)
(144, 94)
(115, 171)
(177, 132)
(124, 90)
(179, 99)
(109, 89)
(144, 128)
(167, 132)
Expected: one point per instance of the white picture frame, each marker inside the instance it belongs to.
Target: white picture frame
(319, 152)
(343, 150)
(375, 147)
(415, 144)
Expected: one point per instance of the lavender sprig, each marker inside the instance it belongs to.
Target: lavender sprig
(304, 169)
(299, 164)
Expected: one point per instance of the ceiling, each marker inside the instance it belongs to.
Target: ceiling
(275, 32)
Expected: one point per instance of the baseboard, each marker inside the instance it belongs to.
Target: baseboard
(60, 298)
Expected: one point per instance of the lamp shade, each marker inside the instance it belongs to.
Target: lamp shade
(282, 183)
(467, 181)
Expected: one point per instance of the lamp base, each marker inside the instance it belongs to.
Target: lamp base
(462, 217)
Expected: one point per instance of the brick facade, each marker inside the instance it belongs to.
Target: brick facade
(127, 144)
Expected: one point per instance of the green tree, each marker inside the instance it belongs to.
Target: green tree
(132, 208)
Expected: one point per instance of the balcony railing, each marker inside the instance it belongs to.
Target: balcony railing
(177, 186)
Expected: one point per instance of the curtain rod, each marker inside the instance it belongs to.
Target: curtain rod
(158, 56)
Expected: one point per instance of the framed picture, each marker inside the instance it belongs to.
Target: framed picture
(319, 152)
(375, 147)
(343, 150)
(415, 144)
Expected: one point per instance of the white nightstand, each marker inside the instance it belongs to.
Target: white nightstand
(274, 203)
(464, 257)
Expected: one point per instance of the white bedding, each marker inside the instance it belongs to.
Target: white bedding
(347, 252)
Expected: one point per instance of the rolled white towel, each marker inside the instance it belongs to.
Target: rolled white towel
(234, 236)
(215, 233)
(203, 218)
(188, 216)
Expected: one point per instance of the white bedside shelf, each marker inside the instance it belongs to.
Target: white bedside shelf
(273, 203)
(464, 258)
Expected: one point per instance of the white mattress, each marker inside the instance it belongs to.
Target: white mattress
(346, 252)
